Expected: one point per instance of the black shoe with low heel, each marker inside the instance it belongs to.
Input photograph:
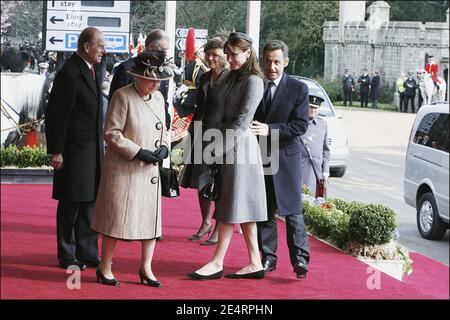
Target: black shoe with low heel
(103, 280)
(252, 275)
(196, 276)
(147, 281)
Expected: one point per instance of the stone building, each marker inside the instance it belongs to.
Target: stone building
(391, 47)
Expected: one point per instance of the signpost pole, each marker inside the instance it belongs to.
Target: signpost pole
(171, 15)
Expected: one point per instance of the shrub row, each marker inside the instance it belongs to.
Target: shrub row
(25, 157)
(341, 221)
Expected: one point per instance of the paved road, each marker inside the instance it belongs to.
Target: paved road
(375, 171)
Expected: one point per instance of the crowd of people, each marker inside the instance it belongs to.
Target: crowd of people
(407, 86)
(368, 87)
(115, 190)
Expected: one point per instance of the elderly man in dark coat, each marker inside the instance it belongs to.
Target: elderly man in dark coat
(315, 151)
(283, 111)
(74, 122)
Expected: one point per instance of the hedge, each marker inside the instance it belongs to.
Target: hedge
(25, 157)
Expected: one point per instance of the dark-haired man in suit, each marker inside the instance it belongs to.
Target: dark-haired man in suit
(74, 131)
(284, 108)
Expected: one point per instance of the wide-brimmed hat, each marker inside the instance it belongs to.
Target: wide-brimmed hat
(152, 65)
(315, 101)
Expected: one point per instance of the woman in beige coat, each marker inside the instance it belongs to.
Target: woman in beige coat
(128, 204)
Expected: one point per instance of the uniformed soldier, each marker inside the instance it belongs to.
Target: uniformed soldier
(192, 73)
(315, 151)
(432, 68)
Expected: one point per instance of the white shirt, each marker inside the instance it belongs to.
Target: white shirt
(275, 86)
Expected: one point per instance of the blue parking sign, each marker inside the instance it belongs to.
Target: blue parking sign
(71, 40)
(114, 42)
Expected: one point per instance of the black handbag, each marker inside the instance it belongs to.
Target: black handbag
(208, 183)
(169, 182)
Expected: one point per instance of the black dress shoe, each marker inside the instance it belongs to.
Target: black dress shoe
(301, 270)
(252, 275)
(147, 281)
(196, 276)
(65, 264)
(103, 280)
(94, 262)
(269, 265)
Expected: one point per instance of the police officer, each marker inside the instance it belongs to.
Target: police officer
(315, 151)
(364, 82)
(410, 92)
(348, 86)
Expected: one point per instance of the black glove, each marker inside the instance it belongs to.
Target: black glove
(148, 156)
(162, 152)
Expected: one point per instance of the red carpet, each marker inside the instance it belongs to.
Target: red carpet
(29, 265)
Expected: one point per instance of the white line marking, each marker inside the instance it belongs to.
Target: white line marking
(381, 162)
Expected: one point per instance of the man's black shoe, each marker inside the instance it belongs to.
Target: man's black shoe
(269, 265)
(301, 270)
(65, 264)
(94, 262)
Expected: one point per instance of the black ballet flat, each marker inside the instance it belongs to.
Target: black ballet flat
(103, 280)
(196, 276)
(147, 281)
(252, 275)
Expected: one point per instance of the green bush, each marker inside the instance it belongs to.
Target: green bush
(9, 156)
(339, 228)
(372, 224)
(25, 157)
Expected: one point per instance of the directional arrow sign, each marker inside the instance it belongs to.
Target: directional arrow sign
(59, 40)
(181, 43)
(78, 20)
(53, 20)
(53, 40)
(199, 33)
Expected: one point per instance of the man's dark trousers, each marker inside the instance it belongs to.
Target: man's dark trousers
(296, 234)
(75, 237)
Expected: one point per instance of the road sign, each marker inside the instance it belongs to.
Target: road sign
(109, 21)
(101, 6)
(181, 43)
(66, 19)
(62, 40)
(198, 33)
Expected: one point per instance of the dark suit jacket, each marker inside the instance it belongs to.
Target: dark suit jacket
(74, 127)
(289, 114)
(122, 78)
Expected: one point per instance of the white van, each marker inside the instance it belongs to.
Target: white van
(426, 184)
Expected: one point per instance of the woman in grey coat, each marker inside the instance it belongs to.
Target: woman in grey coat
(242, 195)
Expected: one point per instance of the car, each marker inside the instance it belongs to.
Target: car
(338, 141)
(425, 183)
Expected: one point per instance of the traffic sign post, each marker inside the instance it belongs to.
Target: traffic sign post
(201, 37)
(64, 21)
(181, 43)
(199, 33)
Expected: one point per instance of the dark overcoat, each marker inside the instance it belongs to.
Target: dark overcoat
(375, 87)
(289, 114)
(74, 128)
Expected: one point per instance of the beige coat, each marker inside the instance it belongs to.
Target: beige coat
(129, 198)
